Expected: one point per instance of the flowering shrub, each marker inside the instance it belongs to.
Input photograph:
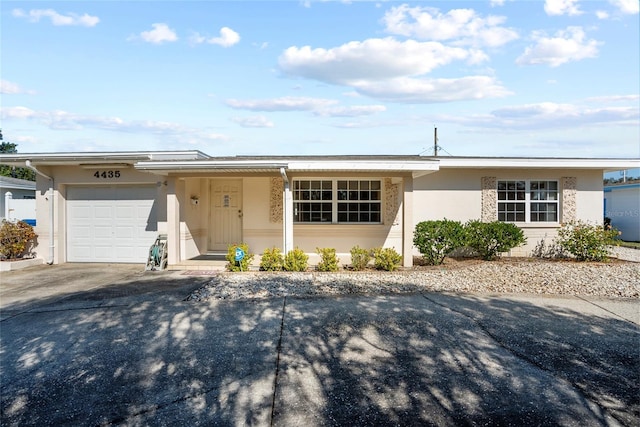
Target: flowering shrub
(491, 238)
(296, 260)
(328, 259)
(16, 239)
(436, 239)
(272, 260)
(360, 258)
(587, 242)
(386, 259)
(244, 263)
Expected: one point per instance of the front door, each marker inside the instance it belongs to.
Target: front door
(225, 215)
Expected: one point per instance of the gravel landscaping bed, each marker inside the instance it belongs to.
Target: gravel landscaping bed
(534, 276)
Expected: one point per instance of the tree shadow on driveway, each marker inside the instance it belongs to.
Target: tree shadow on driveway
(432, 359)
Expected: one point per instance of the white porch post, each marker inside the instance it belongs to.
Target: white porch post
(173, 223)
(8, 196)
(287, 214)
(407, 222)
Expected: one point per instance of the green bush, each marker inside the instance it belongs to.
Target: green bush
(360, 258)
(242, 265)
(436, 239)
(491, 238)
(386, 259)
(272, 260)
(296, 260)
(16, 239)
(328, 259)
(587, 242)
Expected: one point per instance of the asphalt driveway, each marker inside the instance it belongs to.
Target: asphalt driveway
(118, 346)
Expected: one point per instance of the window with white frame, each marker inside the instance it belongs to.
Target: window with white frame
(337, 201)
(528, 201)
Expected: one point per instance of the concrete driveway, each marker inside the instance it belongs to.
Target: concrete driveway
(129, 351)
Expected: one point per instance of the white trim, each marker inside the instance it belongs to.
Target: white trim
(538, 163)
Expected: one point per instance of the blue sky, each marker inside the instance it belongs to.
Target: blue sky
(556, 78)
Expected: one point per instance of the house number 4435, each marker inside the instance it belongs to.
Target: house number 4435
(107, 174)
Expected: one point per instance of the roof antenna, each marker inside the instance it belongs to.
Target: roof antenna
(435, 142)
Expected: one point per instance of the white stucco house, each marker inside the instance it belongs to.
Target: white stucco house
(622, 206)
(17, 199)
(110, 207)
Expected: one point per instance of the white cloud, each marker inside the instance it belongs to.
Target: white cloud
(17, 113)
(566, 46)
(161, 33)
(425, 91)
(227, 38)
(614, 98)
(372, 59)
(550, 115)
(59, 119)
(351, 111)
(34, 15)
(253, 122)
(392, 70)
(602, 14)
(11, 88)
(628, 7)
(287, 103)
(460, 26)
(562, 7)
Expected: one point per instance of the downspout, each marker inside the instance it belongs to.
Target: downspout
(51, 227)
(287, 211)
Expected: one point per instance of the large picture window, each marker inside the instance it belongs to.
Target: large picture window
(528, 201)
(337, 201)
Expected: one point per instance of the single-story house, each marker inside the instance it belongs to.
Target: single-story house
(622, 206)
(17, 198)
(111, 206)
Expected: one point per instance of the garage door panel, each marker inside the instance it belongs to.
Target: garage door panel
(110, 224)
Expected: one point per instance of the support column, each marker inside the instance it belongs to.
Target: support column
(407, 222)
(173, 222)
(287, 214)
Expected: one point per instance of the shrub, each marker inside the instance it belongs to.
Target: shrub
(360, 258)
(272, 260)
(436, 239)
(587, 242)
(491, 238)
(16, 239)
(328, 259)
(549, 251)
(242, 265)
(386, 259)
(296, 260)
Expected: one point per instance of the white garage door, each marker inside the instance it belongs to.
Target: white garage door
(110, 224)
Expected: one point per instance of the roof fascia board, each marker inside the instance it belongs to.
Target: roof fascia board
(207, 164)
(97, 157)
(539, 163)
(364, 165)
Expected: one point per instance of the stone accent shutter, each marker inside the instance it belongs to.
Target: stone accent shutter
(391, 202)
(569, 192)
(489, 199)
(275, 208)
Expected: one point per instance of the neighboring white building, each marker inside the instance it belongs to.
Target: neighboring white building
(622, 205)
(17, 198)
(110, 207)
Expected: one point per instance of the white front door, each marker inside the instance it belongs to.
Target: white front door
(225, 215)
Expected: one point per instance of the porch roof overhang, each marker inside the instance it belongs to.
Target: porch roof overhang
(92, 159)
(604, 164)
(302, 165)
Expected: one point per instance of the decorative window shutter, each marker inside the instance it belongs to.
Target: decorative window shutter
(489, 199)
